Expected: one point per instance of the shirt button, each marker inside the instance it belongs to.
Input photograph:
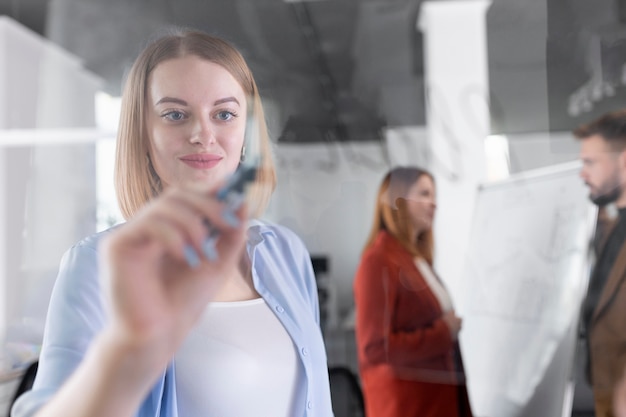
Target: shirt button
(280, 309)
(305, 351)
(309, 405)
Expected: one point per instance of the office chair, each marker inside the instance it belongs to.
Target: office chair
(345, 391)
(26, 383)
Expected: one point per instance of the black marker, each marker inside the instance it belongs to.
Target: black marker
(233, 194)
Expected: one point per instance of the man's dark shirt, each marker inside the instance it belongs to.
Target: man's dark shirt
(603, 267)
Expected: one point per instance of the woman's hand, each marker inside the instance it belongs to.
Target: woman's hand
(453, 322)
(154, 292)
(155, 296)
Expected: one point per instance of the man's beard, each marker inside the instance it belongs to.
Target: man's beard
(609, 197)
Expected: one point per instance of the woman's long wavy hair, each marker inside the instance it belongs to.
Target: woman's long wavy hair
(136, 182)
(391, 213)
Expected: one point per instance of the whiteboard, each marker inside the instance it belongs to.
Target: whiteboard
(526, 274)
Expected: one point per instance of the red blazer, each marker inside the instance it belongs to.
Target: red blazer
(408, 363)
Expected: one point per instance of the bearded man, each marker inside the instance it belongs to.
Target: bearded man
(603, 156)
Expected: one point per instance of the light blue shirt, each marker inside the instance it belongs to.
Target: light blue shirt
(282, 274)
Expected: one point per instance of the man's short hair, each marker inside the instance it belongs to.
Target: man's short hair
(611, 126)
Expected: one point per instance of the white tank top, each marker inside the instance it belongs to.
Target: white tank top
(238, 361)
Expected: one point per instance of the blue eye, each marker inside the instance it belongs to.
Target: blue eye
(174, 116)
(225, 115)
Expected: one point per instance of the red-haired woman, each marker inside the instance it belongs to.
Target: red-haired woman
(406, 328)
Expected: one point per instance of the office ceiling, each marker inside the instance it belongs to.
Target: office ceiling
(345, 69)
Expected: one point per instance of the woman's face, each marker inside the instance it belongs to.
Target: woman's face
(421, 203)
(196, 113)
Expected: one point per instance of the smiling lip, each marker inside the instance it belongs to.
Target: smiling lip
(201, 160)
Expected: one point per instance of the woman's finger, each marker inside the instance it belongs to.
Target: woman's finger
(195, 214)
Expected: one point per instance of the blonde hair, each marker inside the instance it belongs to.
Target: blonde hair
(391, 214)
(136, 182)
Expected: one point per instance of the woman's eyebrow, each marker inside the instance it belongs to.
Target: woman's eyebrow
(226, 100)
(171, 100)
(184, 103)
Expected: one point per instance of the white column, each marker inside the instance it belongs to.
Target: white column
(3, 243)
(457, 115)
(3, 191)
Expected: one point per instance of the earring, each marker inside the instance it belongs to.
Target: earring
(242, 157)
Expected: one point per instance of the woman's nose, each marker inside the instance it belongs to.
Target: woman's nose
(202, 133)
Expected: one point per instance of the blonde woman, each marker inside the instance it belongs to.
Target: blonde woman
(151, 318)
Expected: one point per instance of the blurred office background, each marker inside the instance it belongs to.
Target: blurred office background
(478, 91)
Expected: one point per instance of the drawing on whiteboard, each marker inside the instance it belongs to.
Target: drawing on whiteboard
(518, 283)
(525, 279)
